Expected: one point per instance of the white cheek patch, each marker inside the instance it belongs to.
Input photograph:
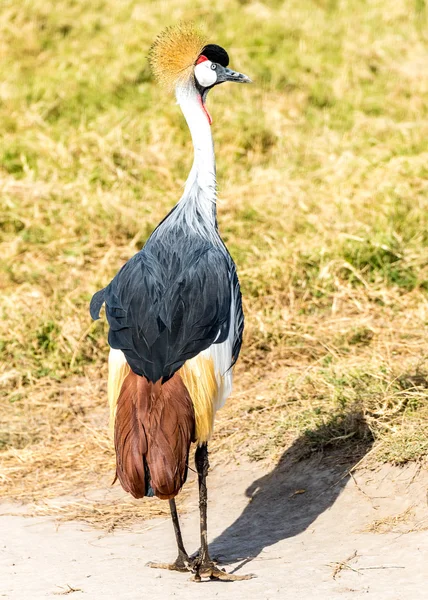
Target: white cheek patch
(205, 76)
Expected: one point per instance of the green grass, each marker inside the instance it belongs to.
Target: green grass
(322, 172)
(337, 407)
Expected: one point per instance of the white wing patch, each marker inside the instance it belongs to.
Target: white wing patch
(221, 355)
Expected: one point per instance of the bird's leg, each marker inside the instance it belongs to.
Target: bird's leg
(182, 559)
(203, 566)
(182, 562)
(202, 466)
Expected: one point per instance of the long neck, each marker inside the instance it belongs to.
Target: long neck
(200, 189)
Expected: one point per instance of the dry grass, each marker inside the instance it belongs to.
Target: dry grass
(323, 204)
(393, 523)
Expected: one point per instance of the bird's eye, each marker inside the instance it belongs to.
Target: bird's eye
(213, 66)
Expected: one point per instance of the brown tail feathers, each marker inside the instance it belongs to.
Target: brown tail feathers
(154, 426)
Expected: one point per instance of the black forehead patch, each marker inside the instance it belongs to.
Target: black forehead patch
(216, 54)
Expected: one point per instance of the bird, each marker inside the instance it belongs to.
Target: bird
(175, 313)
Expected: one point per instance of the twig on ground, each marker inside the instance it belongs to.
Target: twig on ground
(339, 566)
(69, 590)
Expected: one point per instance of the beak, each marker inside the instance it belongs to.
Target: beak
(230, 75)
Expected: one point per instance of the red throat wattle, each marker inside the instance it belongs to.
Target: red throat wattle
(204, 108)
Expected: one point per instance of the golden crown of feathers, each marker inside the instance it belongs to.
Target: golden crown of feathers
(174, 53)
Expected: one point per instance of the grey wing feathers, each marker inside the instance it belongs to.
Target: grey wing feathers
(165, 306)
(238, 317)
(96, 304)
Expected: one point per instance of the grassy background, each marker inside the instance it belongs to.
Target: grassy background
(322, 172)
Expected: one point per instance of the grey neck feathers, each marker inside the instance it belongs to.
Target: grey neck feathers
(197, 206)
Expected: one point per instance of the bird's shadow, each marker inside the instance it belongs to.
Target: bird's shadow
(307, 480)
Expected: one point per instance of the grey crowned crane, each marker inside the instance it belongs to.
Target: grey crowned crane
(175, 313)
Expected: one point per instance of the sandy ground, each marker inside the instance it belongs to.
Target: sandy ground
(302, 530)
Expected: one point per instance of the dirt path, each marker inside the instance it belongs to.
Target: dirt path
(305, 545)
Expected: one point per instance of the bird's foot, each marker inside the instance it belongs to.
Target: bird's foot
(208, 568)
(181, 564)
(201, 568)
